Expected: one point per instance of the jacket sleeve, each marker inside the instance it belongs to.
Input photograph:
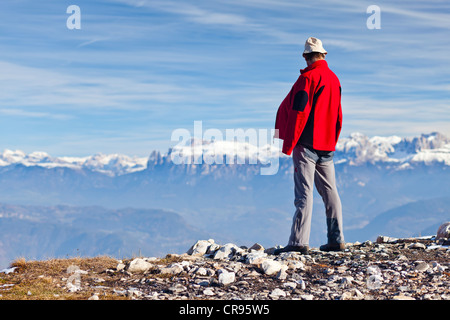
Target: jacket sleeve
(297, 110)
(281, 118)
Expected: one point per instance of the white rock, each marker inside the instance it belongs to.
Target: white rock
(120, 266)
(213, 248)
(139, 265)
(208, 292)
(94, 297)
(417, 245)
(185, 264)
(9, 270)
(443, 231)
(256, 247)
(294, 265)
(174, 268)
(201, 247)
(201, 271)
(255, 257)
(226, 277)
(290, 285)
(292, 256)
(270, 266)
(385, 239)
(277, 293)
(282, 275)
(152, 259)
(302, 284)
(177, 288)
(226, 252)
(353, 294)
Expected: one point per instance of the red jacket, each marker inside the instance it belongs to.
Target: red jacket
(311, 113)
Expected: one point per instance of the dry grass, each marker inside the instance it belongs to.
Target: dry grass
(47, 280)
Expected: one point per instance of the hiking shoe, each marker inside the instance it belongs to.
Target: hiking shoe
(289, 248)
(333, 247)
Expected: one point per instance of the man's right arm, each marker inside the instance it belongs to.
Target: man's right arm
(297, 113)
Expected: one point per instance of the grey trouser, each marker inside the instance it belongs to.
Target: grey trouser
(310, 170)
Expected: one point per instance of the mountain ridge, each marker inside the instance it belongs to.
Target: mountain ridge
(356, 149)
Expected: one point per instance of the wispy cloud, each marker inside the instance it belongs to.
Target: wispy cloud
(31, 114)
(30, 86)
(422, 17)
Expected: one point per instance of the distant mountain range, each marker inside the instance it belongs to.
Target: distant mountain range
(386, 184)
(356, 149)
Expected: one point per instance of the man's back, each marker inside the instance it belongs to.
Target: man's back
(311, 112)
(324, 122)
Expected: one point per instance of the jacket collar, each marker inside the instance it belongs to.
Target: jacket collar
(317, 64)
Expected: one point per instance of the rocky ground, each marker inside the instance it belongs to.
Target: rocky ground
(390, 269)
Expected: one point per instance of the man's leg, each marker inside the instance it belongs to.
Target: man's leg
(304, 168)
(325, 181)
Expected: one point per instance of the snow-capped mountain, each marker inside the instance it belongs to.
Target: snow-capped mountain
(426, 149)
(223, 152)
(113, 164)
(356, 149)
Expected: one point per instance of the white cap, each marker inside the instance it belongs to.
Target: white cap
(314, 45)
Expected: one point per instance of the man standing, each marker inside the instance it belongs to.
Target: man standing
(309, 122)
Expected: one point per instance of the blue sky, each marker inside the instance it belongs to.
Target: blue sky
(139, 69)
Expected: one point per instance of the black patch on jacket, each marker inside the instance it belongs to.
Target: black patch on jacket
(307, 136)
(300, 101)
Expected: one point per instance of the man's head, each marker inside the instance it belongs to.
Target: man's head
(313, 50)
(312, 57)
